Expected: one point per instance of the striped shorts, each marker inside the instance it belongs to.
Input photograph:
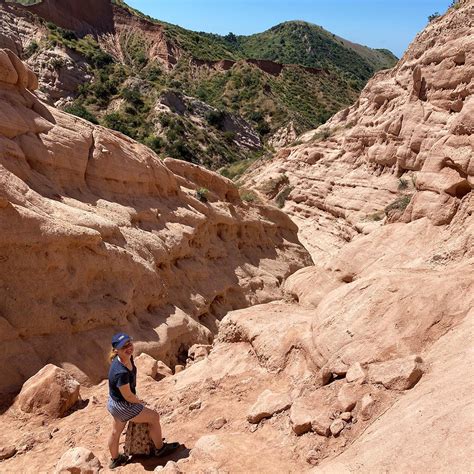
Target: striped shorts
(124, 411)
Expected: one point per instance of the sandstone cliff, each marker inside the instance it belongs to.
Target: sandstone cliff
(405, 147)
(363, 366)
(97, 233)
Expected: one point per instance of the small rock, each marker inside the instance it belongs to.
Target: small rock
(146, 365)
(218, 423)
(178, 369)
(346, 416)
(162, 370)
(356, 373)
(170, 467)
(6, 452)
(51, 391)
(267, 405)
(313, 456)
(336, 427)
(397, 374)
(195, 405)
(78, 461)
(300, 418)
(367, 406)
(253, 428)
(349, 395)
(321, 425)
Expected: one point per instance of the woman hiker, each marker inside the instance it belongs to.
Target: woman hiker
(124, 405)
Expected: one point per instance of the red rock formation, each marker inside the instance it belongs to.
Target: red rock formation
(97, 233)
(406, 143)
(381, 325)
(86, 16)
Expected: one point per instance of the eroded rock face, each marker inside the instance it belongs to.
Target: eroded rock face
(78, 461)
(105, 235)
(52, 391)
(341, 347)
(401, 153)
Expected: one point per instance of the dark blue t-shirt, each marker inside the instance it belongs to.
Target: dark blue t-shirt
(119, 375)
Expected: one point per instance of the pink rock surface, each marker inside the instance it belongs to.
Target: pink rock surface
(144, 254)
(107, 236)
(52, 391)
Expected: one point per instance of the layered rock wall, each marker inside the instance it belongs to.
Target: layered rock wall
(406, 146)
(96, 234)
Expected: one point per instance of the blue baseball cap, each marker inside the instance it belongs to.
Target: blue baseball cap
(120, 339)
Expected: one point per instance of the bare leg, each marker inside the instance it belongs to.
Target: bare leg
(117, 428)
(153, 419)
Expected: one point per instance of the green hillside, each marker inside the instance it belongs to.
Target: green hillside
(322, 74)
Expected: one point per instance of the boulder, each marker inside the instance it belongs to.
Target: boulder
(196, 405)
(146, 365)
(367, 406)
(137, 440)
(321, 425)
(78, 461)
(51, 391)
(162, 370)
(8, 73)
(300, 418)
(6, 452)
(199, 351)
(268, 404)
(218, 423)
(349, 395)
(356, 373)
(337, 426)
(347, 415)
(397, 374)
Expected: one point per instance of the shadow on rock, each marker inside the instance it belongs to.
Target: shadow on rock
(149, 463)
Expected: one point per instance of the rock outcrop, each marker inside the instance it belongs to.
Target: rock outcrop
(358, 363)
(52, 392)
(401, 153)
(97, 233)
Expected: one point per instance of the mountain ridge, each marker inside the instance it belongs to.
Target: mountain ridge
(111, 64)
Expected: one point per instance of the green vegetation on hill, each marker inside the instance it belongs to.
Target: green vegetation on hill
(322, 74)
(298, 42)
(25, 2)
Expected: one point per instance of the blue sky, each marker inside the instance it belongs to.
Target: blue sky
(390, 24)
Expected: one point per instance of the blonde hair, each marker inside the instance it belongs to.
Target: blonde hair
(112, 355)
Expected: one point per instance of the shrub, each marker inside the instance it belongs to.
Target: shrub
(57, 63)
(133, 96)
(31, 49)
(229, 137)
(263, 128)
(399, 205)
(202, 194)
(80, 111)
(248, 197)
(433, 16)
(376, 216)
(215, 118)
(118, 122)
(402, 183)
(282, 196)
(154, 142)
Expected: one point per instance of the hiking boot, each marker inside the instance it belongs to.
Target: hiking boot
(120, 460)
(166, 449)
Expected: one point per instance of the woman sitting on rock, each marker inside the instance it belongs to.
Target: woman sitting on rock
(124, 405)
